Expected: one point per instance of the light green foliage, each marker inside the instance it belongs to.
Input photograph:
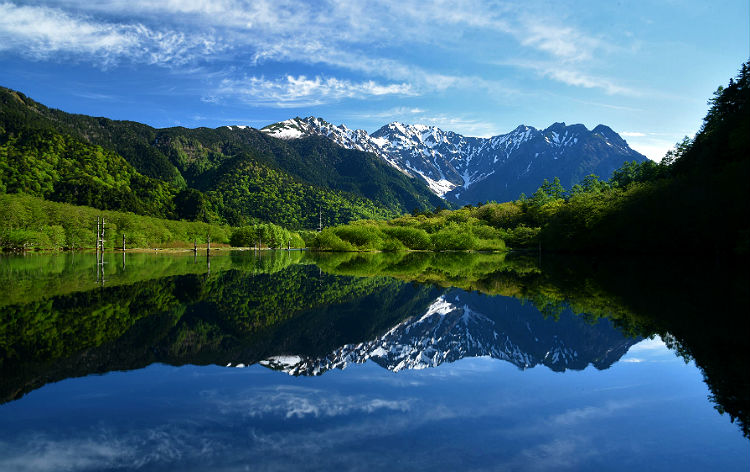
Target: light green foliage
(501, 215)
(453, 237)
(265, 235)
(634, 172)
(412, 238)
(33, 223)
(458, 230)
(330, 241)
(589, 184)
(64, 169)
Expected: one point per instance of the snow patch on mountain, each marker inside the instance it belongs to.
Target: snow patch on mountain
(447, 161)
(451, 329)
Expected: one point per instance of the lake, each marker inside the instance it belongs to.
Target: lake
(295, 360)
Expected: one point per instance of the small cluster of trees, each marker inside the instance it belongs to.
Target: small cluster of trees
(265, 235)
(442, 231)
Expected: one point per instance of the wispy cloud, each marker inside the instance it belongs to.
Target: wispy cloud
(292, 402)
(390, 113)
(297, 91)
(562, 42)
(572, 74)
(588, 413)
(356, 37)
(43, 33)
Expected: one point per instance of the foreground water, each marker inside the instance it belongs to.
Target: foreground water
(292, 361)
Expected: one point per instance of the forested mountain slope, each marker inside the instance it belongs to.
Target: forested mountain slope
(229, 174)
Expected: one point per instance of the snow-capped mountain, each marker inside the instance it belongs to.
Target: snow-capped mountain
(465, 169)
(460, 324)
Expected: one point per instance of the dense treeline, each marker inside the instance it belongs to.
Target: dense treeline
(250, 193)
(233, 176)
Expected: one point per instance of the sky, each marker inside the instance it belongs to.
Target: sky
(479, 68)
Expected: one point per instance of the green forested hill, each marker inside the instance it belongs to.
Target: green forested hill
(62, 168)
(226, 174)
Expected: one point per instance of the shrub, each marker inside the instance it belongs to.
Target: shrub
(392, 244)
(364, 237)
(412, 238)
(328, 240)
(521, 236)
(501, 215)
(490, 245)
(453, 238)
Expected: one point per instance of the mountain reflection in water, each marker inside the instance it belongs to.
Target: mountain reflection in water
(459, 324)
(308, 313)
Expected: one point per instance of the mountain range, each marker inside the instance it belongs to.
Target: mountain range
(465, 169)
(292, 173)
(460, 324)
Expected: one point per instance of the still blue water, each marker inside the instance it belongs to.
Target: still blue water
(432, 392)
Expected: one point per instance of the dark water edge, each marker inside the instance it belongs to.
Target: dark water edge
(405, 315)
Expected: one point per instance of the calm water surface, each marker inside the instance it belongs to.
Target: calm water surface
(297, 361)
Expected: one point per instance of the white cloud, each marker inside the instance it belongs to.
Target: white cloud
(354, 36)
(577, 78)
(293, 91)
(578, 415)
(654, 149)
(291, 402)
(632, 134)
(46, 33)
(561, 42)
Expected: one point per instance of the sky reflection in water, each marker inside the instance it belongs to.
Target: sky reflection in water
(647, 410)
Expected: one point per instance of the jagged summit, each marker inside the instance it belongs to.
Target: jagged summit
(467, 169)
(458, 325)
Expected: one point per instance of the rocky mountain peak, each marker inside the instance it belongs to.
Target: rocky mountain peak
(468, 169)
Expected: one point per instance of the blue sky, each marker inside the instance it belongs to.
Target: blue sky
(479, 68)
